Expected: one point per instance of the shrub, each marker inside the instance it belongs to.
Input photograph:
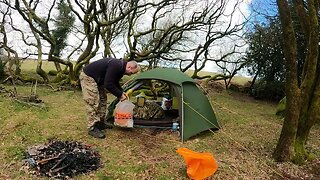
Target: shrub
(273, 91)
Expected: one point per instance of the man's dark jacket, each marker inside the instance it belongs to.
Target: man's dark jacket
(107, 73)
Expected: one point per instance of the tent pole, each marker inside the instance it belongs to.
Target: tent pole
(182, 115)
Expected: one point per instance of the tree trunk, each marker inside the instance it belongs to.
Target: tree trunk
(254, 79)
(299, 146)
(302, 101)
(18, 66)
(58, 67)
(41, 72)
(304, 127)
(285, 147)
(309, 84)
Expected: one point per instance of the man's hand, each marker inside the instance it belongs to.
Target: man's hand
(123, 97)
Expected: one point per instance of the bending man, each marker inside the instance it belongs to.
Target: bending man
(96, 78)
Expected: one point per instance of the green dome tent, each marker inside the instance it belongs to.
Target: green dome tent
(195, 112)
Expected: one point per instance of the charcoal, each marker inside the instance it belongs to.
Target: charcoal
(62, 159)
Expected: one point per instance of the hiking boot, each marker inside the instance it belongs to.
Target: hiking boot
(97, 133)
(101, 125)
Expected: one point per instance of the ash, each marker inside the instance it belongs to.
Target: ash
(62, 159)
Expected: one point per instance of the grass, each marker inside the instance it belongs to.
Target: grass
(243, 147)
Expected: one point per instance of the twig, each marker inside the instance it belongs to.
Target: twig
(9, 78)
(59, 169)
(44, 161)
(35, 87)
(31, 90)
(40, 105)
(58, 163)
(54, 169)
(12, 80)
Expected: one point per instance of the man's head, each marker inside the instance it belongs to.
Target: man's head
(132, 67)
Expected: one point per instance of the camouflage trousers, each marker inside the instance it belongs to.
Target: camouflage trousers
(95, 99)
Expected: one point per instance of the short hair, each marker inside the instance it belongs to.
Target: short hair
(134, 65)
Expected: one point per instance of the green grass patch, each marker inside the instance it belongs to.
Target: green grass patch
(243, 146)
(246, 141)
(15, 152)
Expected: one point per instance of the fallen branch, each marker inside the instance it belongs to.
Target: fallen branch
(44, 161)
(58, 163)
(40, 105)
(59, 169)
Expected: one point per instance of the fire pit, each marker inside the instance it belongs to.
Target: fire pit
(62, 159)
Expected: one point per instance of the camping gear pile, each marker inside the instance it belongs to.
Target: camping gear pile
(187, 108)
(149, 110)
(61, 159)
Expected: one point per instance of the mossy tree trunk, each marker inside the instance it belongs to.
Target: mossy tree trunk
(58, 67)
(302, 108)
(39, 69)
(41, 72)
(310, 85)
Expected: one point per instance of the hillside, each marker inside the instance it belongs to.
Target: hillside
(243, 146)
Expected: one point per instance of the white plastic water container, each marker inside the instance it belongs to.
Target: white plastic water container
(123, 116)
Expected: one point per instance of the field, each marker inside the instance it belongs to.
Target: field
(242, 147)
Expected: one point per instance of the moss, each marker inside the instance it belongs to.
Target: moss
(60, 77)
(300, 156)
(53, 72)
(311, 157)
(281, 107)
(42, 73)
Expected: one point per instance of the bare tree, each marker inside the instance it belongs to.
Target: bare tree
(11, 56)
(214, 17)
(153, 31)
